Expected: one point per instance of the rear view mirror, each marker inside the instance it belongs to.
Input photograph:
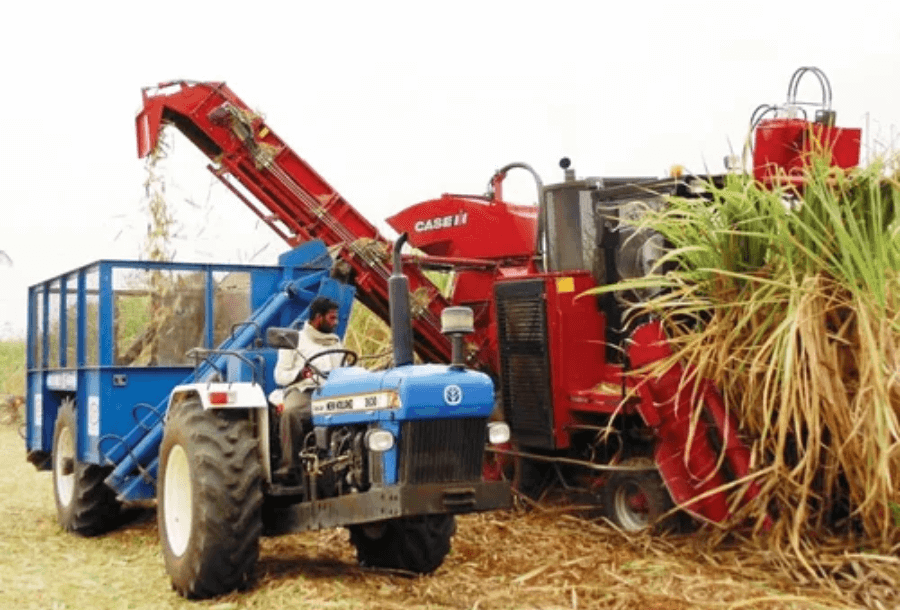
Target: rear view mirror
(282, 338)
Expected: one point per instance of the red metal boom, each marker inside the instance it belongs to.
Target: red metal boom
(286, 193)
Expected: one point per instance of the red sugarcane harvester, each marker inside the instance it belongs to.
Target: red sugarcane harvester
(564, 363)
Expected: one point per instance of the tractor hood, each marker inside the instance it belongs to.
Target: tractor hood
(426, 391)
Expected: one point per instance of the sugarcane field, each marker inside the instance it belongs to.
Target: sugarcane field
(463, 307)
(802, 326)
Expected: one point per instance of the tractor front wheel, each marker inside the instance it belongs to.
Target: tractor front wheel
(209, 500)
(84, 503)
(412, 544)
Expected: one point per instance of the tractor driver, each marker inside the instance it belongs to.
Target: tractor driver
(299, 380)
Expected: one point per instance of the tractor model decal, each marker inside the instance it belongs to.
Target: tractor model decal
(361, 402)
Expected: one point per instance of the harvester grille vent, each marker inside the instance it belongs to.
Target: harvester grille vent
(525, 362)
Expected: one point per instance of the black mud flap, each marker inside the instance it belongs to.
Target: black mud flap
(39, 458)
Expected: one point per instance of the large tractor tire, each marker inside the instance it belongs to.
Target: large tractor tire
(638, 500)
(411, 544)
(84, 504)
(209, 500)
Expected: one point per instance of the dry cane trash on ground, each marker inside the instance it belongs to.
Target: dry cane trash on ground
(545, 558)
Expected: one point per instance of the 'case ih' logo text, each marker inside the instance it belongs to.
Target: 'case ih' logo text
(442, 222)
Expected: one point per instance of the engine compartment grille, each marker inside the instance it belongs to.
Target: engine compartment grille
(442, 451)
(525, 361)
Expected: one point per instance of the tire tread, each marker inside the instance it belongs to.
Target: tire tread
(227, 479)
(412, 544)
(94, 507)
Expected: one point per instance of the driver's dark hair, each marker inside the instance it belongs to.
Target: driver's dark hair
(321, 306)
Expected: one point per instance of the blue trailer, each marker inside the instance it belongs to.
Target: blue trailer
(152, 380)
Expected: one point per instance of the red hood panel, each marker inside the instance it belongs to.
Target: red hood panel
(469, 227)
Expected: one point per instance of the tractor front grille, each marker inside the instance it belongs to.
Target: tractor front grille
(442, 450)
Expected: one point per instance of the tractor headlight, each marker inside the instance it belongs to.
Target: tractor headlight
(379, 440)
(498, 432)
(457, 321)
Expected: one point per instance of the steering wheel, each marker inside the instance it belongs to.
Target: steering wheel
(349, 359)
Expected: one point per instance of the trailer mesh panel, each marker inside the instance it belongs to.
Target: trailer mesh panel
(442, 451)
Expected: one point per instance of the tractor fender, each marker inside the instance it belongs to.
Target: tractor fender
(221, 395)
(233, 397)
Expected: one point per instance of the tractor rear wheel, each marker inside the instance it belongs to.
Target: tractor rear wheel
(637, 500)
(209, 500)
(84, 503)
(412, 544)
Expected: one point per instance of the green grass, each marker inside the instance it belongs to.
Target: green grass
(12, 367)
(133, 316)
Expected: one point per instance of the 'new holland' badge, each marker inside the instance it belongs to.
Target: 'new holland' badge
(453, 395)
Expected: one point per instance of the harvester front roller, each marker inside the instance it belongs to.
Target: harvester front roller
(210, 500)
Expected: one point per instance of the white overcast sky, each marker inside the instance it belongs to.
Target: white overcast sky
(397, 102)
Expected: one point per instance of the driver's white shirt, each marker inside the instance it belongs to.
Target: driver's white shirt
(310, 342)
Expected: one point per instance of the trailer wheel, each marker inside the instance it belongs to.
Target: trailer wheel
(84, 504)
(413, 544)
(209, 500)
(637, 500)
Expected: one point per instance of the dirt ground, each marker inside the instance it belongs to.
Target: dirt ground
(500, 561)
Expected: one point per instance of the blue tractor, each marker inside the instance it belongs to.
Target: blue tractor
(127, 400)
